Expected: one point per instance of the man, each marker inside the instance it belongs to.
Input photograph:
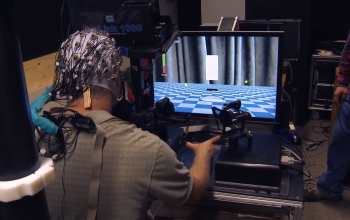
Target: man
(329, 185)
(137, 167)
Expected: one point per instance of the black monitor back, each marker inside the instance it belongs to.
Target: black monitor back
(133, 23)
(275, 9)
(77, 6)
(291, 28)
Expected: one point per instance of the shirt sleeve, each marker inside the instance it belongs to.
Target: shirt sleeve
(343, 77)
(171, 182)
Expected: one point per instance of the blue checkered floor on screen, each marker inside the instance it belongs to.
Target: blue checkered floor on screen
(199, 98)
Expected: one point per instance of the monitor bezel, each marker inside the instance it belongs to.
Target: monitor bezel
(279, 34)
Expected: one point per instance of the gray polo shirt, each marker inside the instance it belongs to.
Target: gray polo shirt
(138, 168)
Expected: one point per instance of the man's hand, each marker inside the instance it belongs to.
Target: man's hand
(340, 94)
(204, 149)
(201, 168)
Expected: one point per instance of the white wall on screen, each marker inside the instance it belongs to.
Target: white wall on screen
(212, 67)
(213, 10)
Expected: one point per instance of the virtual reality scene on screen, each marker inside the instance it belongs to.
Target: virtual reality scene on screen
(199, 72)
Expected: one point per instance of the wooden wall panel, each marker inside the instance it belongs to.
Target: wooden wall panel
(39, 71)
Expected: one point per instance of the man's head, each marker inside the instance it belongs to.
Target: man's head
(87, 62)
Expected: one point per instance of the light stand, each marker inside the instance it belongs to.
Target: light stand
(18, 155)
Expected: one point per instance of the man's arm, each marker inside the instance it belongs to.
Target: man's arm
(200, 170)
(343, 77)
(170, 181)
(173, 183)
(200, 174)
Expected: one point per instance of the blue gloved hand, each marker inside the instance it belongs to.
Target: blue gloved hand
(36, 106)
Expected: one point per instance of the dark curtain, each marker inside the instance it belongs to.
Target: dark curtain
(242, 60)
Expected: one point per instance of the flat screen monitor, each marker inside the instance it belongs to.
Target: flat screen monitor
(203, 69)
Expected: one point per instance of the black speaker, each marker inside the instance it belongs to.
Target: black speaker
(291, 28)
(286, 9)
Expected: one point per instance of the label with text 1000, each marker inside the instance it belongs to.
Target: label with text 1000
(123, 28)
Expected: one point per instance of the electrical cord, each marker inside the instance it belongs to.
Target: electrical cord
(288, 161)
(300, 171)
(322, 129)
(292, 102)
(62, 28)
(156, 212)
(68, 29)
(291, 109)
(291, 73)
(309, 149)
(311, 167)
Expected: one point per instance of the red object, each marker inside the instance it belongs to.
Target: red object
(131, 96)
(144, 62)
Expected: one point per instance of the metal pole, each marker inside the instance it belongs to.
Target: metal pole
(137, 80)
(18, 155)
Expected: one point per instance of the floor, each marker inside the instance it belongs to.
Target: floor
(315, 157)
(323, 210)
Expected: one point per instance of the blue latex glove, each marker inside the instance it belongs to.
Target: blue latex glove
(38, 120)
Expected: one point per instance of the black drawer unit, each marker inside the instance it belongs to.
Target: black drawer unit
(323, 74)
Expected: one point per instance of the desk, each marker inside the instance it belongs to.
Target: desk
(289, 200)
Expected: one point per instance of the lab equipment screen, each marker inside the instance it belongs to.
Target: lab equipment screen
(205, 69)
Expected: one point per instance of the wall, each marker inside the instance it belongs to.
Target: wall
(212, 11)
(330, 20)
(39, 71)
(39, 27)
